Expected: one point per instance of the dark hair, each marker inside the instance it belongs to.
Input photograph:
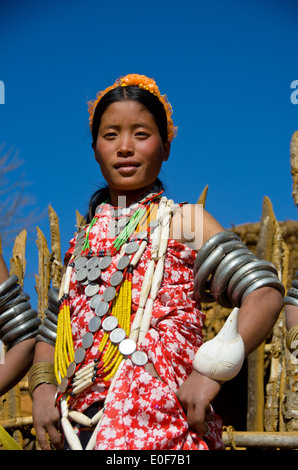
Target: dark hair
(132, 93)
(103, 195)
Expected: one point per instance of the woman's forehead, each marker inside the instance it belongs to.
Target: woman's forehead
(128, 110)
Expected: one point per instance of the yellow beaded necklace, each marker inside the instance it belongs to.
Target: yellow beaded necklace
(109, 357)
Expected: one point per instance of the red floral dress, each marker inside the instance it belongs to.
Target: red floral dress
(144, 413)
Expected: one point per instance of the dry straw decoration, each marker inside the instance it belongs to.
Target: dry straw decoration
(142, 82)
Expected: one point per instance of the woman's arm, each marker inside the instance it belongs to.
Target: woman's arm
(45, 414)
(257, 316)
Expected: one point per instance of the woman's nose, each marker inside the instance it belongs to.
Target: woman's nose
(125, 148)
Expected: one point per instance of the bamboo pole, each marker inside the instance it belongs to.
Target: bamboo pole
(203, 196)
(255, 361)
(273, 440)
(17, 422)
(43, 278)
(80, 221)
(56, 263)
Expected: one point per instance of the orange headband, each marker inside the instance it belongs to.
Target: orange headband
(143, 82)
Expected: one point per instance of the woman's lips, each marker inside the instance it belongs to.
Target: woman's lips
(127, 168)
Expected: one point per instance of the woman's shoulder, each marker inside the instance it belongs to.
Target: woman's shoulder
(193, 225)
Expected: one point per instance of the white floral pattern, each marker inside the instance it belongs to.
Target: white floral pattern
(144, 412)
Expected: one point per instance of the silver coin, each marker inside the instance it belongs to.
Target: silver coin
(139, 358)
(94, 274)
(82, 274)
(105, 262)
(116, 278)
(141, 235)
(113, 229)
(127, 347)
(112, 224)
(131, 248)
(92, 289)
(112, 233)
(87, 340)
(102, 308)
(153, 223)
(110, 323)
(117, 335)
(99, 209)
(95, 300)
(125, 210)
(79, 355)
(109, 294)
(123, 262)
(80, 242)
(92, 262)
(81, 235)
(94, 324)
(80, 262)
(71, 369)
(78, 250)
(63, 385)
(123, 222)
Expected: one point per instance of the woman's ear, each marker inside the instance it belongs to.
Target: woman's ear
(166, 150)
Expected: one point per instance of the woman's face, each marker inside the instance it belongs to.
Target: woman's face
(129, 149)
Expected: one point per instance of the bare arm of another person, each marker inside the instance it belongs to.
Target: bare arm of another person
(19, 358)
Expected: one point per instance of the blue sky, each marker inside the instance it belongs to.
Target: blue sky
(226, 67)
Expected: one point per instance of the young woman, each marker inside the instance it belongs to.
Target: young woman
(129, 324)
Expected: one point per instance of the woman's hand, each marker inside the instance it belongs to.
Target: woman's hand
(196, 395)
(46, 417)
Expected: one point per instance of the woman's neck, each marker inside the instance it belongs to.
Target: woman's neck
(125, 198)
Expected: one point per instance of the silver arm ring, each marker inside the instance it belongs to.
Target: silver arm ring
(210, 245)
(8, 284)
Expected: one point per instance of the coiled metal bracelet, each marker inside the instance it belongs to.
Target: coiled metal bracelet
(47, 331)
(292, 294)
(226, 271)
(18, 321)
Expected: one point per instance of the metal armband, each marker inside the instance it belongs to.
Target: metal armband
(47, 331)
(18, 321)
(292, 294)
(225, 271)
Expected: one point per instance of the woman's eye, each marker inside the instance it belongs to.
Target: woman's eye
(142, 134)
(110, 135)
